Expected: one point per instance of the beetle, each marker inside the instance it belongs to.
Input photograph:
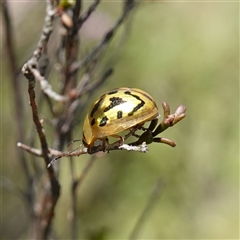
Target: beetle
(115, 111)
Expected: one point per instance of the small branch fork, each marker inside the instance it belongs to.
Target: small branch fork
(44, 218)
(129, 5)
(15, 81)
(30, 68)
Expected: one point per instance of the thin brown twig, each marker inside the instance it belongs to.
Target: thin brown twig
(72, 210)
(55, 187)
(106, 39)
(44, 218)
(17, 96)
(86, 15)
(85, 171)
(29, 68)
(76, 183)
(71, 42)
(58, 154)
(115, 146)
(91, 86)
(76, 12)
(53, 152)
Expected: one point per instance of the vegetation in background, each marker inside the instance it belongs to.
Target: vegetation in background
(179, 52)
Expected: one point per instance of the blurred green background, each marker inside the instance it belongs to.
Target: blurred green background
(179, 52)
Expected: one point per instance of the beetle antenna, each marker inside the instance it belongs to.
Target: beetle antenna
(64, 154)
(73, 141)
(53, 160)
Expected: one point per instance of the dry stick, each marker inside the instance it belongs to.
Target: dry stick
(76, 185)
(108, 36)
(123, 38)
(55, 187)
(71, 45)
(85, 171)
(76, 12)
(38, 153)
(58, 154)
(32, 63)
(17, 96)
(43, 66)
(72, 210)
(29, 69)
(86, 15)
(71, 50)
(34, 151)
(94, 85)
(45, 86)
(147, 210)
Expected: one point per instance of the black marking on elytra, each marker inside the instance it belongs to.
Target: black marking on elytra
(119, 114)
(96, 106)
(135, 109)
(93, 122)
(145, 95)
(103, 121)
(115, 101)
(141, 104)
(113, 91)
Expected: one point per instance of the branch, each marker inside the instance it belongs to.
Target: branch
(76, 183)
(169, 120)
(106, 39)
(31, 73)
(55, 187)
(91, 86)
(76, 153)
(38, 153)
(29, 69)
(44, 84)
(46, 32)
(86, 15)
(17, 95)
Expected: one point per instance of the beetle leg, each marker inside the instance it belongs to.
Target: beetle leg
(135, 135)
(121, 139)
(105, 142)
(145, 137)
(132, 132)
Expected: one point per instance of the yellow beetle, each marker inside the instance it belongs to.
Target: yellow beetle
(115, 111)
